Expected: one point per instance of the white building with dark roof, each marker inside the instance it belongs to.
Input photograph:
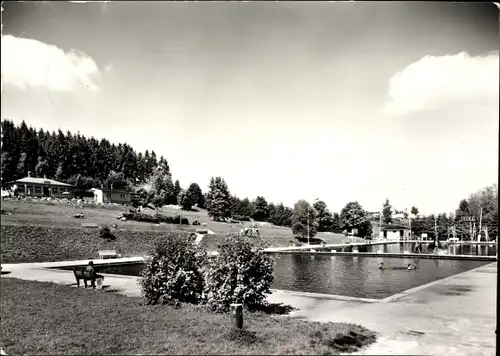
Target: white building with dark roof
(43, 187)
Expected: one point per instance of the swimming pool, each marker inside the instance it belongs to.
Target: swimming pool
(350, 276)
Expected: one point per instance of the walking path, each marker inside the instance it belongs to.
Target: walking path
(453, 316)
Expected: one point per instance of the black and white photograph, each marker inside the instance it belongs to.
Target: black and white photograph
(249, 177)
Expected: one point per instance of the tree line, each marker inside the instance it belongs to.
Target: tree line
(88, 162)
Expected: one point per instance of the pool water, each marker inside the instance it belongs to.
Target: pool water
(448, 249)
(351, 276)
(360, 276)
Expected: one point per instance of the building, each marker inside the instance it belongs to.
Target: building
(42, 187)
(105, 195)
(395, 232)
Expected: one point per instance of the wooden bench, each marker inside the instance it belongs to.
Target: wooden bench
(108, 254)
(82, 273)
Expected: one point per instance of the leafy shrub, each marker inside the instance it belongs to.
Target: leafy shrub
(141, 217)
(106, 233)
(241, 217)
(172, 275)
(238, 275)
(176, 219)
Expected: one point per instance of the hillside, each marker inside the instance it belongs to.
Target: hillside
(34, 231)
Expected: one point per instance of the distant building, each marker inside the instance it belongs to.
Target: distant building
(42, 187)
(395, 232)
(106, 195)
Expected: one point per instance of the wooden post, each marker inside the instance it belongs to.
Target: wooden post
(237, 311)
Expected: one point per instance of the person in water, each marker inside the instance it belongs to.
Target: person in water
(410, 267)
(381, 265)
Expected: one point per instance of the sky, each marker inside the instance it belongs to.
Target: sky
(357, 101)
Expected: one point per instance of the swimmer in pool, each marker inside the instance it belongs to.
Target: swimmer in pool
(381, 265)
(410, 267)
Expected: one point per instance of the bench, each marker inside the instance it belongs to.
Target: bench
(82, 273)
(108, 254)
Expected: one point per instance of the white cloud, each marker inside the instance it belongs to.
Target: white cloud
(435, 82)
(31, 63)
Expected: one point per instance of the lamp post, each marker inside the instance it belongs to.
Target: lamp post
(308, 218)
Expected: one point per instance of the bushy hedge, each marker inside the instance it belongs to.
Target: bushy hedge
(156, 219)
(179, 272)
(173, 274)
(106, 233)
(238, 274)
(172, 219)
(141, 217)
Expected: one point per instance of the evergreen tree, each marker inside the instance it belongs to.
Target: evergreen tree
(386, 212)
(184, 201)
(218, 199)
(260, 209)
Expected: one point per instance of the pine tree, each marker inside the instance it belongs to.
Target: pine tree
(218, 199)
(260, 209)
(386, 212)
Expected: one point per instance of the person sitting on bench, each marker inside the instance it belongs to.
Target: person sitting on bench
(91, 270)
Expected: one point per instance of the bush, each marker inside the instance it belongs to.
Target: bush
(238, 275)
(241, 217)
(196, 222)
(171, 275)
(172, 219)
(141, 217)
(106, 233)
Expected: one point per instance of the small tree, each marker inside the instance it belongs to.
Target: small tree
(260, 209)
(184, 201)
(159, 187)
(353, 216)
(172, 275)
(218, 199)
(325, 218)
(304, 218)
(238, 274)
(414, 211)
(386, 212)
(196, 195)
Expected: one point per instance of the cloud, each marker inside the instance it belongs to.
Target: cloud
(434, 83)
(31, 63)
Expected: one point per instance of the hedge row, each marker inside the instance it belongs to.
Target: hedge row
(156, 219)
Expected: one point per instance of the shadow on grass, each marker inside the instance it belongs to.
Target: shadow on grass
(343, 342)
(244, 337)
(273, 309)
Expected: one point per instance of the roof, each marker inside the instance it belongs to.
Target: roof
(395, 227)
(33, 180)
(106, 190)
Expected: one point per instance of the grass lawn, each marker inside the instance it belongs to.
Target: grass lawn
(46, 318)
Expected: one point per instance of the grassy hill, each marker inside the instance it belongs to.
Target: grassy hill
(38, 231)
